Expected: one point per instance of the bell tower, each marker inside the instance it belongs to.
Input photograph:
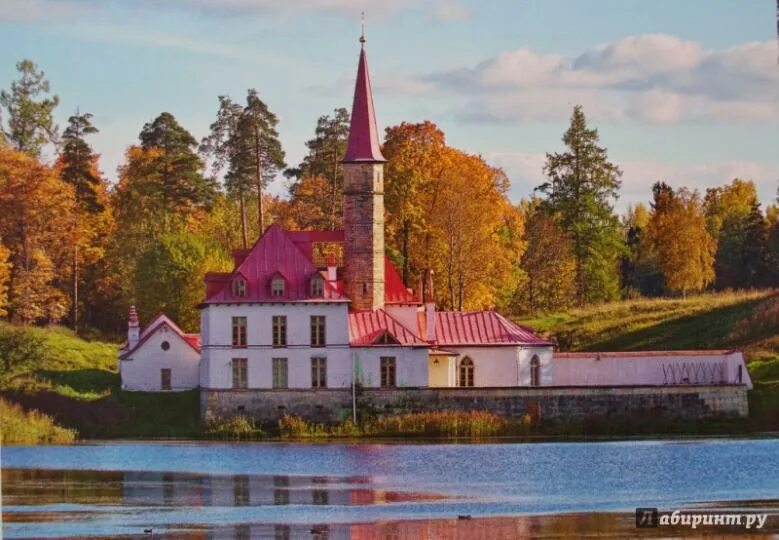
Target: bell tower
(363, 199)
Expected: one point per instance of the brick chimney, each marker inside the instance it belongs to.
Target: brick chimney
(133, 329)
(430, 308)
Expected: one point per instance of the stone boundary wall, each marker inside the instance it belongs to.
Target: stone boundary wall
(547, 403)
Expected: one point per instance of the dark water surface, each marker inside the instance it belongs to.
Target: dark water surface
(259, 490)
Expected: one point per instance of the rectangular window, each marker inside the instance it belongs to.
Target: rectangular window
(239, 288)
(318, 372)
(165, 376)
(240, 379)
(279, 373)
(317, 286)
(387, 371)
(239, 331)
(317, 330)
(279, 330)
(277, 287)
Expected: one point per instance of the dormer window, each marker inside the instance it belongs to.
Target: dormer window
(317, 286)
(277, 287)
(239, 287)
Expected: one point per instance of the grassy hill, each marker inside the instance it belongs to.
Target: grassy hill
(748, 321)
(76, 383)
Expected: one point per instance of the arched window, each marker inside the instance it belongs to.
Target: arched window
(317, 286)
(239, 287)
(466, 372)
(535, 371)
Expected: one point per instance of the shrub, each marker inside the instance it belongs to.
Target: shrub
(19, 349)
(236, 428)
(18, 426)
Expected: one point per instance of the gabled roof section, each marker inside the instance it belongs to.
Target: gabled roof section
(479, 328)
(395, 292)
(160, 320)
(363, 145)
(366, 328)
(275, 254)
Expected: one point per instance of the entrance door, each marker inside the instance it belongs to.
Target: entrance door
(165, 375)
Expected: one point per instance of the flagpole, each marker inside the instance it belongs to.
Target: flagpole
(354, 391)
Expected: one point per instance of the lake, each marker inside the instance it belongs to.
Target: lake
(340, 490)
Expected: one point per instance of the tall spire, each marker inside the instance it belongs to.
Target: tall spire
(363, 142)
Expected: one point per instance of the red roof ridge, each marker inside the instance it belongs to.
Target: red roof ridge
(635, 354)
(366, 325)
(156, 322)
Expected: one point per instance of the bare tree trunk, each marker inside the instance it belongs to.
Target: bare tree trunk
(243, 219)
(74, 317)
(406, 264)
(334, 190)
(258, 173)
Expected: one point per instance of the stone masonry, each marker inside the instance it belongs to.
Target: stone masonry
(549, 403)
(364, 234)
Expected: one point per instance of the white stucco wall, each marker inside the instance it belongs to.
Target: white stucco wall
(502, 365)
(141, 371)
(410, 365)
(609, 369)
(217, 350)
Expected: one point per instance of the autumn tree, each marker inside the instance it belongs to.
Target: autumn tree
(323, 163)
(548, 264)
(412, 181)
(733, 217)
(681, 244)
(29, 114)
(37, 227)
(582, 188)
(638, 272)
(5, 278)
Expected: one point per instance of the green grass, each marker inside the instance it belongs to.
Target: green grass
(76, 383)
(24, 427)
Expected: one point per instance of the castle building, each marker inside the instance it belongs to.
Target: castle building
(321, 311)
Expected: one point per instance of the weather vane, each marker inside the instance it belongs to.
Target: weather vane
(362, 27)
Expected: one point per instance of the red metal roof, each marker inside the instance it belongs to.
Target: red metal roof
(160, 320)
(275, 254)
(395, 292)
(478, 328)
(363, 142)
(365, 327)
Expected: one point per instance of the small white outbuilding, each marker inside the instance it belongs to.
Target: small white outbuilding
(159, 357)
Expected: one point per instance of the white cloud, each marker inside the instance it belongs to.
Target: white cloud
(656, 79)
(451, 11)
(28, 11)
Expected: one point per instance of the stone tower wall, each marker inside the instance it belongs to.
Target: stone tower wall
(364, 234)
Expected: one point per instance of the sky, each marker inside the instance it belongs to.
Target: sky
(682, 91)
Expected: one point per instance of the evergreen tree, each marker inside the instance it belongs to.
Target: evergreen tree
(581, 192)
(78, 163)
(78, 166)
(755, 252)
(259, 156)
(222, 145)
(325, 153)
(181, 183)
(30, 120)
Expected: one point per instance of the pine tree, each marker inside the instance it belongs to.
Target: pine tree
(581, 192)
(259, 156)
(755, 255)
(78, 166)
(30, 120)
(325, 153)
(182, 185)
